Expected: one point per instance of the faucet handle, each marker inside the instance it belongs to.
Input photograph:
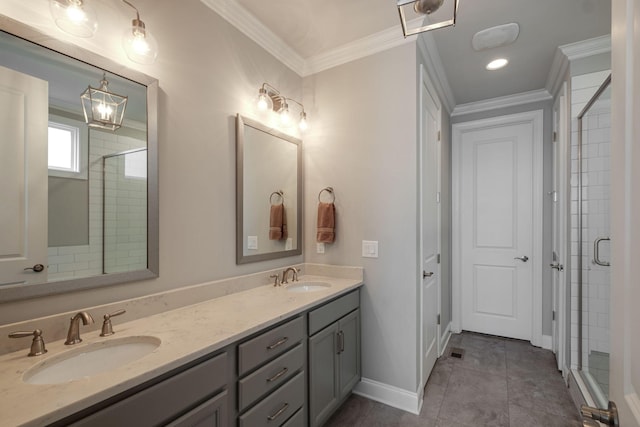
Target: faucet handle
(107, 327)
(276, 279)
(37, 345)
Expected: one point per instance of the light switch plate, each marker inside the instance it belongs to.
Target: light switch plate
(370, 248)
(252, 242)
(320, 248)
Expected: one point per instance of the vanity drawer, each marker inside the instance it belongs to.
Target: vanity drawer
(270, 376)
(272, 343)
(330, 312)
(297, 420)
(161, 402)
(276, 408)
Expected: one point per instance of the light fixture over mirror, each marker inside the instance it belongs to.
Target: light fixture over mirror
(270, 98)
(74, 17)
(138, 42)
(421, 10)
(103, 109)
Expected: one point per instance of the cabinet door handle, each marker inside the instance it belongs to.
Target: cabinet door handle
(340, 338)
(278, 375)
(277, 343)
(278, 413)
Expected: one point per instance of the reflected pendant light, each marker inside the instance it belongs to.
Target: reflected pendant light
(103, 109)
(139, 44)
(423, 8)
(74, 17)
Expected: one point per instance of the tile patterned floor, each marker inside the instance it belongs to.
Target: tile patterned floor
(499, 383)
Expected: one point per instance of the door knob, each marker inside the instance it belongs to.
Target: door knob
(425, 274)
(557, 266)
(37, 268)
(523, 258)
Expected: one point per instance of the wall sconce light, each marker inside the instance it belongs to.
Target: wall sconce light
(74, 17)
(270, 98)
(138, 42)
(424, 7)
(103, 109)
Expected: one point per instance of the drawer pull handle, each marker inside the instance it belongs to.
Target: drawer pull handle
(277, 414)
(278, 375)
(277, 344)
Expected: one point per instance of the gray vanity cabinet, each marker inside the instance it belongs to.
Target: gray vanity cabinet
(196, 396)
(334, 355)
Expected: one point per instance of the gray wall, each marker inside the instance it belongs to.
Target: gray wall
(68, 211)
(547, 151)
(363, 143)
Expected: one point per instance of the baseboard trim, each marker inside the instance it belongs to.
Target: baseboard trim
(547, 342)
(389, 395)
(444, 339)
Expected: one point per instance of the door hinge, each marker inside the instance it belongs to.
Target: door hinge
(438, 135)
(553, 315)
(438, 319)
(438, 259)
(555, 136)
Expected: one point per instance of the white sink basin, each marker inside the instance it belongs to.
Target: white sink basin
(91, 359)
(308, 286)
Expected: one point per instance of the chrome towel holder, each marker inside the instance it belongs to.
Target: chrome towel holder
(277, 193)
(328, 190)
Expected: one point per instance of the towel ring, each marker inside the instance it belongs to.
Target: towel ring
(277, 193)
(328, 190)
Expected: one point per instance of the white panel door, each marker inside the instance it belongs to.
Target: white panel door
(430, 227)
(23, 177)
(496, 211)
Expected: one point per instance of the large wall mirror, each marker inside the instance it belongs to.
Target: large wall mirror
(79, 204)
(269, 193)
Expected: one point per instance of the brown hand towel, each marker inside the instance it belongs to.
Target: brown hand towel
(326, 223)
(278, 223)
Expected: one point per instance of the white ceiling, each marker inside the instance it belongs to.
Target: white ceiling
(312, 28)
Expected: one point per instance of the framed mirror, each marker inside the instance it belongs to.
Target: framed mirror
(268, 193)
(79, 204)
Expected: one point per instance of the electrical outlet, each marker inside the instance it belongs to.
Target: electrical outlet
(289, 245)
(320, 248)
(252, 242)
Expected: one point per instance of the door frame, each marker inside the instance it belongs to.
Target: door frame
(424, 80)
(562, 200)
(536, 117)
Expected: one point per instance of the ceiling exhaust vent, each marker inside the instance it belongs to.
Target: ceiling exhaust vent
(490, 38)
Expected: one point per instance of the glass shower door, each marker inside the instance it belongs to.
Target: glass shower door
(594, 258)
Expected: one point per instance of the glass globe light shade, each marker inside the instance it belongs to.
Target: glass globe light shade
(139, 44)
(427, 7)
(264, 102)
(285, 116)
(74, 17)
(303, 124)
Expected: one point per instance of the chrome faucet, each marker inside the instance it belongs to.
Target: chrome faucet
(285, 275)
(73, 336)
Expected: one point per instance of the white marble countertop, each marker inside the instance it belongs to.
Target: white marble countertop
(186, 333)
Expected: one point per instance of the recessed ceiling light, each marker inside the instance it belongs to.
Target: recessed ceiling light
(496, 64)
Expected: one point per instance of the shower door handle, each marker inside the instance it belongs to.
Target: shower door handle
(596, 252)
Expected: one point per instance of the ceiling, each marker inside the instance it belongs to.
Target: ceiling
(311, 28)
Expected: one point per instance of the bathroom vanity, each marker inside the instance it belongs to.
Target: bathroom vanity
(266, 356)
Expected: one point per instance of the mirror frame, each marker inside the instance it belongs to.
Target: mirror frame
(241, 122)
(10, 293)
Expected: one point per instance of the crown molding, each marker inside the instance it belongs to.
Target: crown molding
(435, 70)
(502, 102)
(250, 26)
(570, 52)
(557, 72)
(586, 48)
(366, 46)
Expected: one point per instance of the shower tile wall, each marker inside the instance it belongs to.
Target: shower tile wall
(67, 262)
(595, 177)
